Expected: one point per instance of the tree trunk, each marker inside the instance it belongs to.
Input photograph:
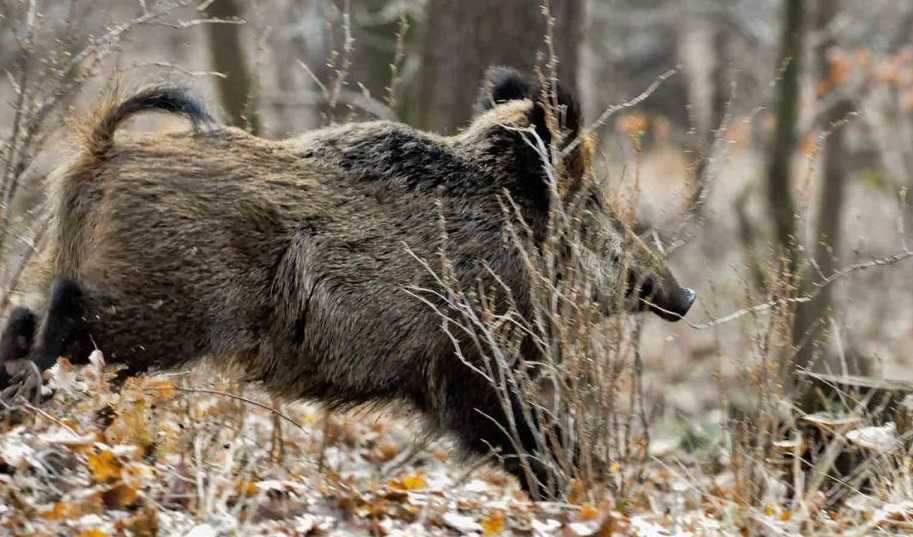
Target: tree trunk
(779, 193)
(237, 87)
(462, 39)
(810, 320)
(719, 97)
(375, 47)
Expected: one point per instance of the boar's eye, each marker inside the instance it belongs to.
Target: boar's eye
(644, 287)
(647, 287)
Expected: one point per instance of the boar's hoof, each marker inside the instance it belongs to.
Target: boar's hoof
(24, 384)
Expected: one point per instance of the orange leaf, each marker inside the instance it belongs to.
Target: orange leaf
(588, 512)
(410, 482)
(131, 425)
(162, 388)
(493, 524)
(386, 451)
(61, 510)
(246, 488)
(104, 466)
(92, 533)
(72, 509)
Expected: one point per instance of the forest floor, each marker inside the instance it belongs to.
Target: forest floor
(160, 457)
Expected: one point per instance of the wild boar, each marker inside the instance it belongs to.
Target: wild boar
(287, 260)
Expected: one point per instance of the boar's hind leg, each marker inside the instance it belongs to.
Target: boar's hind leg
(65, 330)
(16, 340)
(64, 334)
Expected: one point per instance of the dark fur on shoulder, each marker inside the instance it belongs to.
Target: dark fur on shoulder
(288, 261)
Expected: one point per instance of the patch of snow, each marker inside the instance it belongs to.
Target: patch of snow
(548, 527)
(14, 451)
(476, 485)
(461, 522)
(645, 528)
(878, 439)
(584, 529)
(201, 530)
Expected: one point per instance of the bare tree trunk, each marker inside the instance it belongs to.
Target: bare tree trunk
(237, 87)
(462, 39)
(779, 193)
(719, 96)
(810, 320)
(903, 37)
(375, 41)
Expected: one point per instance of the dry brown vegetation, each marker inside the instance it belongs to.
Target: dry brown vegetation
(705, 427)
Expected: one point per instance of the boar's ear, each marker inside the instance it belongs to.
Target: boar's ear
(502, 84)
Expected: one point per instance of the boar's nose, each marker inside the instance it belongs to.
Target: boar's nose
(676, 306)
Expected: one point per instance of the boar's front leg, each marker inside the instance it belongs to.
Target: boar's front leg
(478, 415)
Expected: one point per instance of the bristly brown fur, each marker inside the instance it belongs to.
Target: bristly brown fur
(288, 260)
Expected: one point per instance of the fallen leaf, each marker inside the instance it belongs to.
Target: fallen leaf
(61, 510)
(413, 482)
(386, 451)
(104, 466)
(92, 533)
(246, 488)
(493, 523)
(588, 512)
(161, 388)
(71, 509)
(61, 376)
(878, 439)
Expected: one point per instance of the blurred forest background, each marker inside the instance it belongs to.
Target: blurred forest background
(784, 128)
(767, 145)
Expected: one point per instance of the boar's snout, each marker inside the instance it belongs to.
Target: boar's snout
(674, 303)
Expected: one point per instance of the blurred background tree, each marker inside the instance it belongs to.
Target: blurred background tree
(236, 85)
(508, 32)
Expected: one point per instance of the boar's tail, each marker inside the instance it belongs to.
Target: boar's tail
(95, 136)
(98, 132)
